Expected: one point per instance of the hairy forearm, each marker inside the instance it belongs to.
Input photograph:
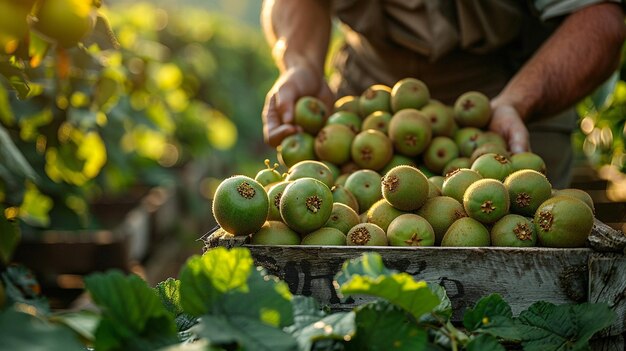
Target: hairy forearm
(297, 31)
(579, 56)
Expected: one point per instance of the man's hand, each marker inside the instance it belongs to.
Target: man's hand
(278, 112)
(506, 121)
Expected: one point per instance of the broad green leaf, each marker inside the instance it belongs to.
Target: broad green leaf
(16, 78)
(132, 314)
(492, 315)
(443, 311)
(367, 275)
(9, 237)
(249, 333)
(204, 279)
(545, 326)
(22, 331)
(485, 342)
(383, 326)
(267, 299)
(83, 323)
(169, 293)
(312, 325)
(11, 156)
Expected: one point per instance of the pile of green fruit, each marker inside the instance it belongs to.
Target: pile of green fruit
(394, 167)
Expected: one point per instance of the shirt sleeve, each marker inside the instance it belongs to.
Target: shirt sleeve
(549, 9)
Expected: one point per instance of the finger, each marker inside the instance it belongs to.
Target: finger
(518, 141)
(276, 135)
(285, 100)
(271, 119)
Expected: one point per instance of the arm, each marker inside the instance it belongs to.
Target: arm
(298, 33)
(579, 56)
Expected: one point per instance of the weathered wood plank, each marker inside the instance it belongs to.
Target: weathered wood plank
(521, 276)
(606, 239)
(607, 283)
(615, 343)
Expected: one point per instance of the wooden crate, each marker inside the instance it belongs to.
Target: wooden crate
(521, 275)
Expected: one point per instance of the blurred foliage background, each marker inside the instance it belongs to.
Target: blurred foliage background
(172, 98)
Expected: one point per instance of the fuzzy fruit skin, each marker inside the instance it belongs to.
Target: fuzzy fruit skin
(467, 139)
(310, 114)
(306, 205)
(472, 109)
(366, 234)
(433, 190)
(398, 160)
(382, 213)
(441, 119)
(268, 176)
(410, 230)
(405, 188)
(375, 98)
(349, 103)
(513, 231)
(437, 181)
(65, 21)
(295, 148)
(457, 163)
(343, 218)
(527, 190)
(371, 149)
(240, 205)
(528, 160)
(486, 200)
(274, 194)
(333, 144)
(410, 132)
(325, 236)
(456, 183)
(13, 24)
(490, 148)
(579, 194)
(493, 166)
(365, 185)
(311, 169)
(348, 119)
(439, 153)
(345, 196)
(409, 93)
(441, 212)
(378, 120)
(275, 233)
(563, 221)
(466, 232)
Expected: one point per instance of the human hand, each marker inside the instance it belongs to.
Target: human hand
(278, 112)
(506, 121)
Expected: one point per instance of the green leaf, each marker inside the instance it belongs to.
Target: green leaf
(22, 331)
(132, 314)
(35, 207)
(249, 333)
(83, 323)
(443, 311)
(204, 279)
(492, 315)
(485, 342)
(169, 293)
(267, 299)
(546, 326)
(367, 275)
(312, 325)
(11, 156)
(383, 326)
(9, 237)
(16, 78)
(6, 114)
